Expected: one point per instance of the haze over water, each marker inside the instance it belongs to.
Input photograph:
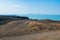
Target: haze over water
(40, 16)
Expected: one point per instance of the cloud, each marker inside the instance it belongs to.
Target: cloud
(12, 8)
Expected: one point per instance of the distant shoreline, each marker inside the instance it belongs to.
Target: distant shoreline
(38, 17)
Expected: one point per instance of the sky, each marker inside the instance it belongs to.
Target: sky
(17, 7)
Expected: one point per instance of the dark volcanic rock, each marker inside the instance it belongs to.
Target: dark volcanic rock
(7, 18)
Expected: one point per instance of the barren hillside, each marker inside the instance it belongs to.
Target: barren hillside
(19, 27)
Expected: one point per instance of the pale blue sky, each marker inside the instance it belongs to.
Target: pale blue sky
(30, 7)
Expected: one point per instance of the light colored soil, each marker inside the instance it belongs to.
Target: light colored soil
(38, 36)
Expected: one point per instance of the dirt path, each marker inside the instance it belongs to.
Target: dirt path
(39, 36)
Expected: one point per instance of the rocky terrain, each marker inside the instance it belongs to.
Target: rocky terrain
(51, 35)
(11, 26)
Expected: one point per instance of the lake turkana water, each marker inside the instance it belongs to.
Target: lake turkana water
(39, 16)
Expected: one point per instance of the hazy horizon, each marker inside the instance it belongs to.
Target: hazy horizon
(39, 16)
(35, 9)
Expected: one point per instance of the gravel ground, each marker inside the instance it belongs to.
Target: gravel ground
(38, 36)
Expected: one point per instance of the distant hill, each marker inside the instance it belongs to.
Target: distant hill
(49, 20)
(3, 17)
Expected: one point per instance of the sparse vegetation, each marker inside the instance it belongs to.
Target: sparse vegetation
(15, 26)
